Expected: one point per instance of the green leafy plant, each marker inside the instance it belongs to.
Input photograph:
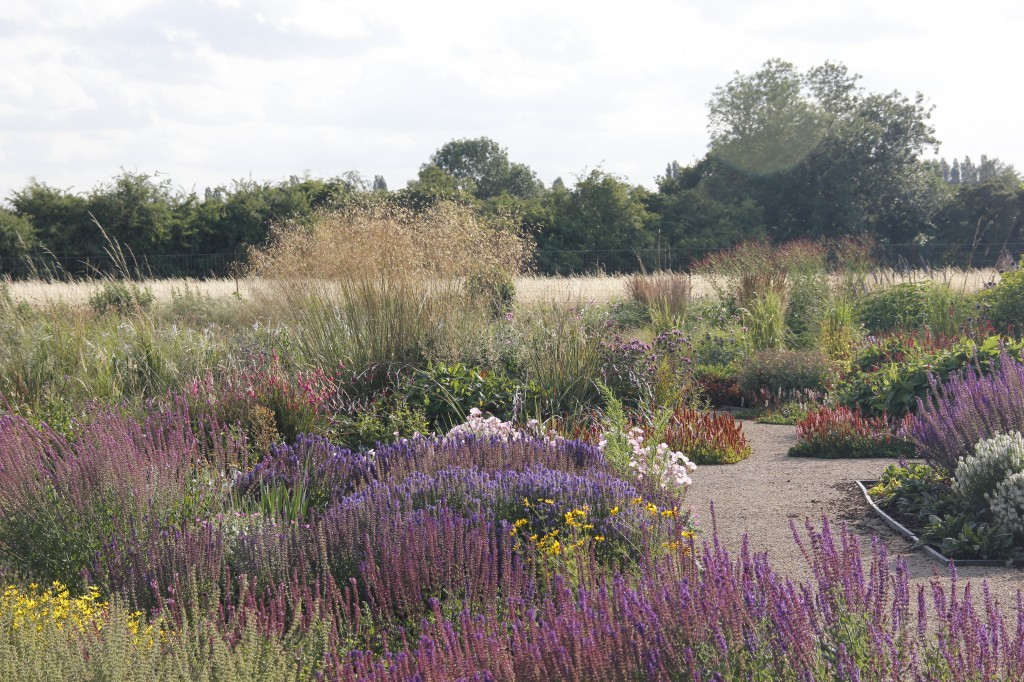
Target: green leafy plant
(121, 297)
(1003, 303)
(446, 393)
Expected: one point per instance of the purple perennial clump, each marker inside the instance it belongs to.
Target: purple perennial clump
(329, 472)
(969, 407)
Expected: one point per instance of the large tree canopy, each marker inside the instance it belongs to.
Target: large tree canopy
(822, 156)
(482, 167)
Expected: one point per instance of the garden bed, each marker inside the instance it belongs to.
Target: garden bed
(928, 549)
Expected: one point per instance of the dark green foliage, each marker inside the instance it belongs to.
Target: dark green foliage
(922, 498)
(895, 387)
(901, 306)
(1003, 303)
(446, 393)
(121, 297)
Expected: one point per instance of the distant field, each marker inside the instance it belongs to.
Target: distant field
(589, 288)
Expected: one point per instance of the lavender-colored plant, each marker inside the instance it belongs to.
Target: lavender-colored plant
(328, 472)
(969, 407)
(732, 619)
(61, 501)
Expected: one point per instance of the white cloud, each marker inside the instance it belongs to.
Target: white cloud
(211, 90)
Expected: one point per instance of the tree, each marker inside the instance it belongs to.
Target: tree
(379, 184)
(601, 223)
(17, 236)
(61, 219)
(481, 167)
(820, 155)
(690, 223)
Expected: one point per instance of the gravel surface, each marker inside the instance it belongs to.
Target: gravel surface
(762, 494)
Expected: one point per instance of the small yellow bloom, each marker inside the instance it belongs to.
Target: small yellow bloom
(614, 510)
(598, 538)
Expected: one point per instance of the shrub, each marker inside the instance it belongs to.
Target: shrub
(1003, 303)
(627, 369)
(1007, 503)
(707, 437)
(446, 394)
(913, 307)
(968, 408)
(902, 306)
(994, 459)
(121, 297)
(718, 385)
(719, 346)
(900, 386)
(840, 432)
(772, 373)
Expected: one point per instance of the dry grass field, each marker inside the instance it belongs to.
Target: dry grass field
(595, 289)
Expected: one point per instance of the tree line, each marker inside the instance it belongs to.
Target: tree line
(792, 154)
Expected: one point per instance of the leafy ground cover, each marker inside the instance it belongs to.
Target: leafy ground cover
(387, 468)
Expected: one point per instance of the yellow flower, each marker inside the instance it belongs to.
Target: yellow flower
(598, 538)
(614, 510)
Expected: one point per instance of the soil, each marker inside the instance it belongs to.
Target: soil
(761, 495)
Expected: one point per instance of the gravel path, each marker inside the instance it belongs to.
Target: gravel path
(760, 495)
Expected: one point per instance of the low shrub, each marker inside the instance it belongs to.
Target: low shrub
(771, 373)
(901, 306)
(840, 432)
(707, 437)
(121, 297)
(903, 378)
(915, 307)
(627, 369)
(1003, 303)
(445, 393)
(994, 460)
(718, 385)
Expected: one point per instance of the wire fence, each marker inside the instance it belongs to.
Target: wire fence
(561, 261)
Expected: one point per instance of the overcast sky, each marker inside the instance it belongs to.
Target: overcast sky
(206, 91)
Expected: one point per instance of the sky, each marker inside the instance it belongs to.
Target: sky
(203, 92)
